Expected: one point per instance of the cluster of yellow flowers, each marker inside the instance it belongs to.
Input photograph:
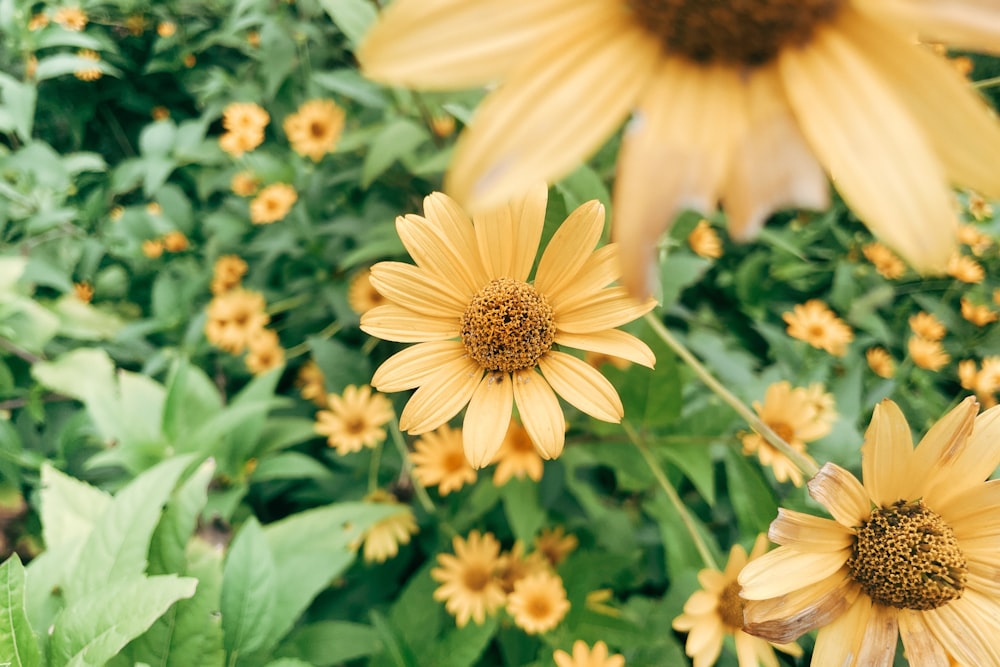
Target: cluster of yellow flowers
(819, 326)
(172, 241)
(244, 123)
(925, 344)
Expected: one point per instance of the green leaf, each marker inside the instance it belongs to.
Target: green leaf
(69, 507)
(524, 512)
(83, 321)
(19, 105)
(330, 643)
(291, 465)
(677, 272)
(752, 498)
(353, 17)
(341, 365)
(192, 399)
(180, 519)
(17, 642)
(243, 439)
(462, 647)
(652, 397)
(396, 140)
(86, 374)
(249, 591)
(158, 138)
(349, 83)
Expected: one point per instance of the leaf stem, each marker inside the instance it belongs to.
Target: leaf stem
(418, 489)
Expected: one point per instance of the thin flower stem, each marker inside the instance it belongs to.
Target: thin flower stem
(986, 83)
(418, 488)
(327, 332)
(802, 462)
(675, 500)
(373, 467)
(289, 303)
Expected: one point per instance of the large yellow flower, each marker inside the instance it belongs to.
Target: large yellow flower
(748, 102)
(484, 331)
(913, 550)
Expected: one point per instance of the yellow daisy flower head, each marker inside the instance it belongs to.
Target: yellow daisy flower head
(245, 118)
(83, 291)
(881, 362)
(484, 331)
(234, 318)
(264, 352)
(977, 240)
(555, 544)
(439, 460)
(817, 325)
(315, 128)
(965, 269)
(152, 248)
(71, 18)
(716, 610)
(726, 87)
(968, 372)
(514, 566)
(166, 29)
(910, 550)
(978, 313)
(469, 587)
(238, 143)
(538, 602)
(362, 295)
(38, 21)
(383, 538)
(89, 73)
(988, 378)
(175, 241)
(979, 208)
(227, 273)
(927, 354)
(584, 656)
(311, 383)
(244, 183)
(927, 326)
(356, 419)
(797, 418)
(517, 457)
(888, 265)
(704, 241)
(272, 203)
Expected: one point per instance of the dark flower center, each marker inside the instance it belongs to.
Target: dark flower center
(508, 326)
(731, 606)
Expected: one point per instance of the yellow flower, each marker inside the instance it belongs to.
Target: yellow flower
(439, 459)
(160, 113)
(584, 656)
(484, 331)
(244, 123)
(166, 29)
(880, 362)
(264, 352)
(253, 38)
(38, 21)
(555, 544)
(355, 419)
(382, 540)
(315, 128)
(272, 203)
(716, 610)
(71, 18)
(152, 248)
(311, 383)
(965, 269)
(238, 143)
(817, 325)
(927, 353)
(116, 213)
(927, 326)
(135, 24)
(514, 566)
(175, 241)
(190, 60)
(979, 208)
(755, 99)
(227, 273)
(244, 183)
(988, 378)
(89, 73)
(469, 587)
(977, 241)
(911, 551)
(361, 295)
(234, 318)
(442, 124)
(517, 457)
(538, 602)
(978, 313)
(704, 241)
(83, 291)
(888, 265)
(968, 374)
(795, 416)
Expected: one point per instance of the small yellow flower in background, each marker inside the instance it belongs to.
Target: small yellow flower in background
(362, 295)
(978, 241)
(484, 331)
(83, 291)
(704, 241)
(927, 326)
(244, 123)
(584, 656)
(315, 128)
(965, 269)
(38, 21)
(967, 373)
(89, 73)
(716, 610)
(175, 241)
(881, 362)
(988, 377)
(598, 359)
(116, 213)
(152, 248)
(135, 24)
(272, 203)
(234, 318)
(227, 273)
(555, 544)
(439, 459)
(166, 29)
(190, 60)
(154, 208)
(71, 18)
(382, 540)
(514, 566)
(236, 144)
(979, 208)
(264, 352)
(244, 183)
(794, 415)
(885, 261)
(442, 124)
(356, 419)
(311, 384)
(909, 553)
(517, 457)
(160, 113)
(253, 38)
(817, 325)
(978, 313)
(469, 587)
(538, 602)
(927, 354)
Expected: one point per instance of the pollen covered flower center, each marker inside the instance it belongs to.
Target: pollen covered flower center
(508, 326)
(731, 606)
(733, 32)
(906, 556)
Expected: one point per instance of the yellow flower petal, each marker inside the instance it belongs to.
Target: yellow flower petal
(540, 412)
(418, 290)
(457, 227)
(943, 458)
(878, 643)
(785, 618)
(571, 246)
(612, 342)
(413, 366)
(401, 325)
(918, 642)
(799, 569)
(839, 642)
(602, 268)
(507, 236)
(487, 418)
(433, 251)
(886, 455)
(841, 494)
(609, 308)
(968, 24)
(440, 397)
(582, 386)
(809, 533)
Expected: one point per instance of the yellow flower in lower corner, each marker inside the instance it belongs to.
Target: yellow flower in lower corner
(716, 610)
(517, 457)
(315, 128)
(584, 656)
(355, 419)
(439, 459)
(538, 602)
(927, 354)
(272, 203)
(234, 318)
(817, 325)
(469, 587)
(484, 331)
(264, 352)
(910, 552)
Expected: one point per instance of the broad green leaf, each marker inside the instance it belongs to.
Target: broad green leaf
(522, 507)
(349, 83)
(340, 364)
(751, 496)
(243, 439)
(290, 465)
(11, 270)
(82, 321)
(652, 397)
(16, 639)
(695, 461)
(191, 400)
(158, 138)
(677, 272)
(69, 508)
(289, 662)
(330, 642)
(677, 541)
(88, 375)
(179, 521)
(19, 104)
(462, 647)
(396, 140)
(410, 616)
(249, 591)
(353, 17)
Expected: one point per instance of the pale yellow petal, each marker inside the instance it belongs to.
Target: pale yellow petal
(487, 418)
(417, 290)
(704, 642)
(582, 386)
(799, 569)
(441, 396)
(434, 252)
(943, 460)
(886, 455)
(966, 24)
(602, 268)
(570, 247)
(401, 325)
(919, 644)
(613, 342)
(528, 213)
(413, 366)
(964, 632)
(609, 308)
(878, 645)
(497, 241)
(785, 618)
(841, 494)
(540, 412)
(806, 532)
(456, 226)
(839, 642)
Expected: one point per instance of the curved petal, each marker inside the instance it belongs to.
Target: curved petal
(401, 325)
(602, 268)
(613, 342)
(541, 414)
(528, 213)
(456, 226)
(507, 236)
(609, 308)
(806, 532)
(839, 642)
(785, 618)
(441, 396)
(418, 290)
(556, 108)
(799, 569)
(570, 248)
(919, 644)
(868, 141)
(878, 644)
(841, 494)
(973, 511)
(413, 366)
(675, 154)
(963, 632)
(886, 455)
(433, 251)
(487, 418)
(943, 459)
(582, 386)
(966, 24)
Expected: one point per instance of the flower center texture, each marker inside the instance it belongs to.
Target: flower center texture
(508, 326)
(906, 556)
(732, 32)
(731, 606)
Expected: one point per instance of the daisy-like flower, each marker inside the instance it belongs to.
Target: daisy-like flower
(38, 21)
(911, 550)
(166, 29)
(152, 248)
(234, 318)
(244, 123)
(795, 416)
(311, 384)
(238, 143)
(315, 128)
(927, 326)
(880, 361)
(885, 261)
(716, 610)
(227, 273)
(538, 602)
(484, 331)
(469, 587)
(244, 183)
(927, 354)
(83, 291)
(272, 203)
(71, 18)
(978, 241)
(264, 352)
(159, 113)
(514, 566)
(175, 241)
(979, 208)
(439, 459)
(978, 313)
(584, 656)
(517, 457)
(967, 372)
(704, 241)
(355, 419)
(89, 73)
(817, 325)
(965, 269)
(382, 540)
(988, 378)
(555, 544)
(747, 102)
(361, 295)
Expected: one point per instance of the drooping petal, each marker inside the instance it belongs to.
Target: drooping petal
(878, 645)
(806, 532)
(966, 24)
(441, 396)
(570, 247)
(886, 454)
(602, 268)
(411, 367)
(613, 342)
(870, 144)
(456, 226)
(799, 569)
(487, 418)
(943, 455)
(839, 642)
(582, 386)
(841, 494)
(920, 645)
(785, 618)
(401, 325)
(540, 412)
(417, 290)
(434, 252)
(609, 308)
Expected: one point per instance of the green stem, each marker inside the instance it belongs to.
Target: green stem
(986, 83)
(327, 332)
(418, 488)
(373, 468)
(806, 465)
(289, 303)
